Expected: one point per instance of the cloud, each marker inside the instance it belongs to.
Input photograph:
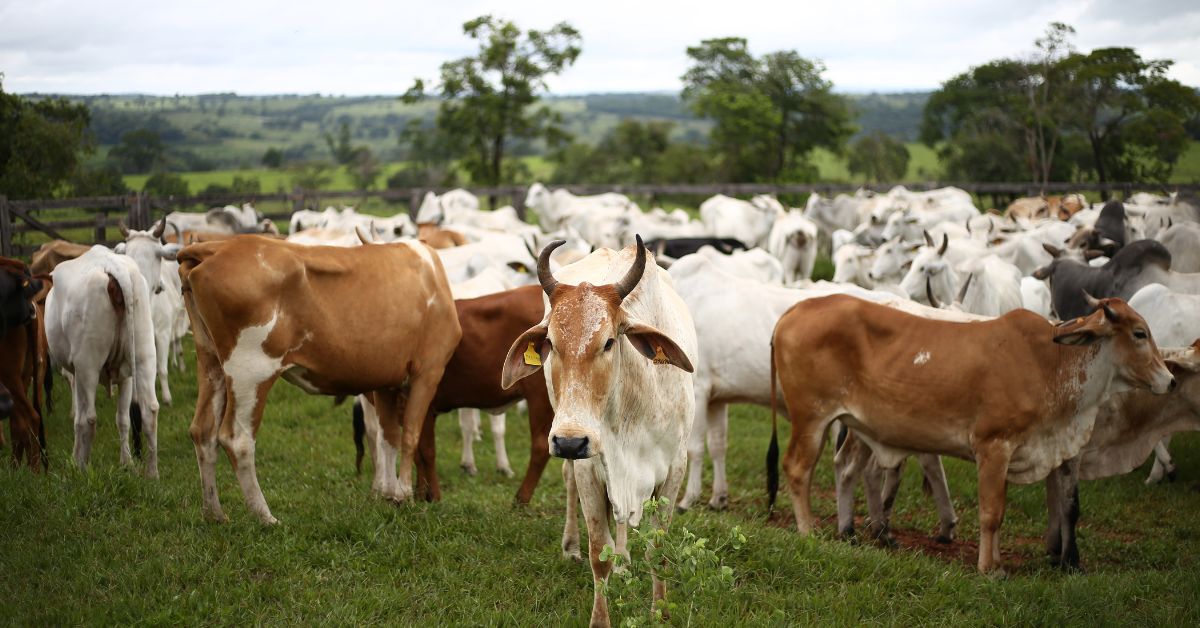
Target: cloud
(363, 47)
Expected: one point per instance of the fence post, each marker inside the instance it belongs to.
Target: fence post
(518, 201)
(101, 223)
(6, 245)
(414, 203)
(297, 198)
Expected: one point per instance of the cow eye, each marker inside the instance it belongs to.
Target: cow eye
(609, 345)
(1140, 334)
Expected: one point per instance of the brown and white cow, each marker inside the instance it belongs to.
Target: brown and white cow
(439, 237)
(19, 362)
(616, 346)
(472, 380)
(1016, 394)
(338, 321)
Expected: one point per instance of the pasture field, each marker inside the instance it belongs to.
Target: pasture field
(106, 546)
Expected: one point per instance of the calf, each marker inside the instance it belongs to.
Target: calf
(99, 330)
(899, 381)
(18, 345)
(375, 319)
(617, 346)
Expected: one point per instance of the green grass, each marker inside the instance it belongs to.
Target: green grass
(108, 547)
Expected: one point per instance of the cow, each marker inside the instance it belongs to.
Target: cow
(373, 319)
(676, 248)
(735, 352)
(555, 209)
(844, 358)
(748, 222)
(99, 329)
(51, 254)
(1183, 242)
(228, 219)
(472, 380)
(616, 346)
(793, 241)
(1134, 266)
(438, 237)
(447, 207)
(18, 369)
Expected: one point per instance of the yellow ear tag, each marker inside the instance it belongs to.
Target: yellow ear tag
(659, 356)
(531, 356)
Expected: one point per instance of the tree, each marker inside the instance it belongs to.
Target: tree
(878, 157)
(343, 151)
(311, 176)
(364, 169)
(769, 112)
(272, 158)
(488, 99)
(105, 180)
(40, 144)
(166, 184)
(139, 151)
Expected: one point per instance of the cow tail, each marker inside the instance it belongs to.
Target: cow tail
(360, 430)
(123, 300)
(773, 448)
(135, 421)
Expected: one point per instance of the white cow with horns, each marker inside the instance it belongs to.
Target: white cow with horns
(617, 346)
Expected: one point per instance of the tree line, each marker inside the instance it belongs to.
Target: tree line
(1055, 114)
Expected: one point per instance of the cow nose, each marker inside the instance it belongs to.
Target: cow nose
(571, 447)
(1173, 385)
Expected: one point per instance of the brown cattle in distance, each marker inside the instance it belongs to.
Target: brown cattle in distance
(490, 324)
(53, 253)
(1016, 394)
(439, 237)
(1043, 207)
(375, 320)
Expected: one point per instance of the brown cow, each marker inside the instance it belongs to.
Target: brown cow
(19, 362)
(490, 324)
(439, 237)
(1016, 394)
(1042, 207)
(53, 253)
(337, 321)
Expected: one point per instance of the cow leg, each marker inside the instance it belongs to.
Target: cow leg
(163, 384)
(468, 420)
(935, 481)
(428, 485)
(149, 411)
(389, 444)
(245, 401)
(206, 424)
(848, 462)
(879, 529)
(375, 442)
(695, 453)
(499, 426)
(570, 538)
(594, 500)
(718, 444)
(124, 398)
(662, 519)
(804, 448)
(1163, 466)
(83, 389)
(416, 408)
(1061, 540)
(1054, 518)
(992, 458)
(541, 415)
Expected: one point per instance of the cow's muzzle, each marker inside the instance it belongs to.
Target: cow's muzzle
(569, 447)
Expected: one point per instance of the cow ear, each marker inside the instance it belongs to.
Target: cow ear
(1042, 272)
(525, 357)
(656, 346)
(1078, 337)
(169, 251)
(1084, 331)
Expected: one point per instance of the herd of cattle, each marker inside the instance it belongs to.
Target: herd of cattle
(940, 335)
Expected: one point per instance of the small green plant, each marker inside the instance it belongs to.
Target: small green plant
(690, 566)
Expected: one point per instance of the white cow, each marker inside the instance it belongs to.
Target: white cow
(555, 209)
(793, 241)
(448, 207)
(617, 346)
(1183, 242)
(749, 222)
(735, 362)
(99, 330)
(754, 264)
(166, 310)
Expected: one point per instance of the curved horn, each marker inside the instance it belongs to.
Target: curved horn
(178, 232)
(1096, 304)
(545, 277)
(631, 278)
(962, 293)
(123, 228)
(929, 294)
(928, 238)
(969, 227)
(945, 244)
(160, 229)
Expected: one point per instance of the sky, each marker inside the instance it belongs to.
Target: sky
(359, 47)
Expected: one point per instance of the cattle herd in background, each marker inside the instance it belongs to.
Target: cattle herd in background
(627, 333)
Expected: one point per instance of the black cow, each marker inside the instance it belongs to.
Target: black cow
(1133, 267)
(18, 361)
(678, 247)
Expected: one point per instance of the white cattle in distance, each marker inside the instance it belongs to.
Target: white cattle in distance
(449, 207)
(555, 209)
(99, 329)
(749, 222)
(793, 241)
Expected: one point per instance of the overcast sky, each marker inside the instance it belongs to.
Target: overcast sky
(370, 47)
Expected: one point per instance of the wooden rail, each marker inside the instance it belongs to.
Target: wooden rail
(139, 210)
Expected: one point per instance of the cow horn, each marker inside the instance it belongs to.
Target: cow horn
(928, 238)
(929, 294)
(160, 229)
(362, 237)
(123, 228)
(631, 278)
(962, 292)
(969, 227)
(945, 244)
(178, 233)
(545, 277)
(1095, 304)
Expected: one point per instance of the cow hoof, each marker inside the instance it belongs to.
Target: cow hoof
(508, 473)
(572, 553)
(269, 521)
(847, 535)
(469, 468)
(944, 539)
(719, 502)
(683, 506)
(216, 517)
(997, 573)
(1171, 475)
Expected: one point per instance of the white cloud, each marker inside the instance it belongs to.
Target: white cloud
(363, 47)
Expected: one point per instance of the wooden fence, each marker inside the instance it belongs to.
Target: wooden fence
(139, 211)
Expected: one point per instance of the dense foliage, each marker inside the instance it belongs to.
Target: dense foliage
(41, 142)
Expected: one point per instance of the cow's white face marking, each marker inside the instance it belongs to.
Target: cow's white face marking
(921, 358)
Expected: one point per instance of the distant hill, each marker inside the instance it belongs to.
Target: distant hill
(230, 131)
